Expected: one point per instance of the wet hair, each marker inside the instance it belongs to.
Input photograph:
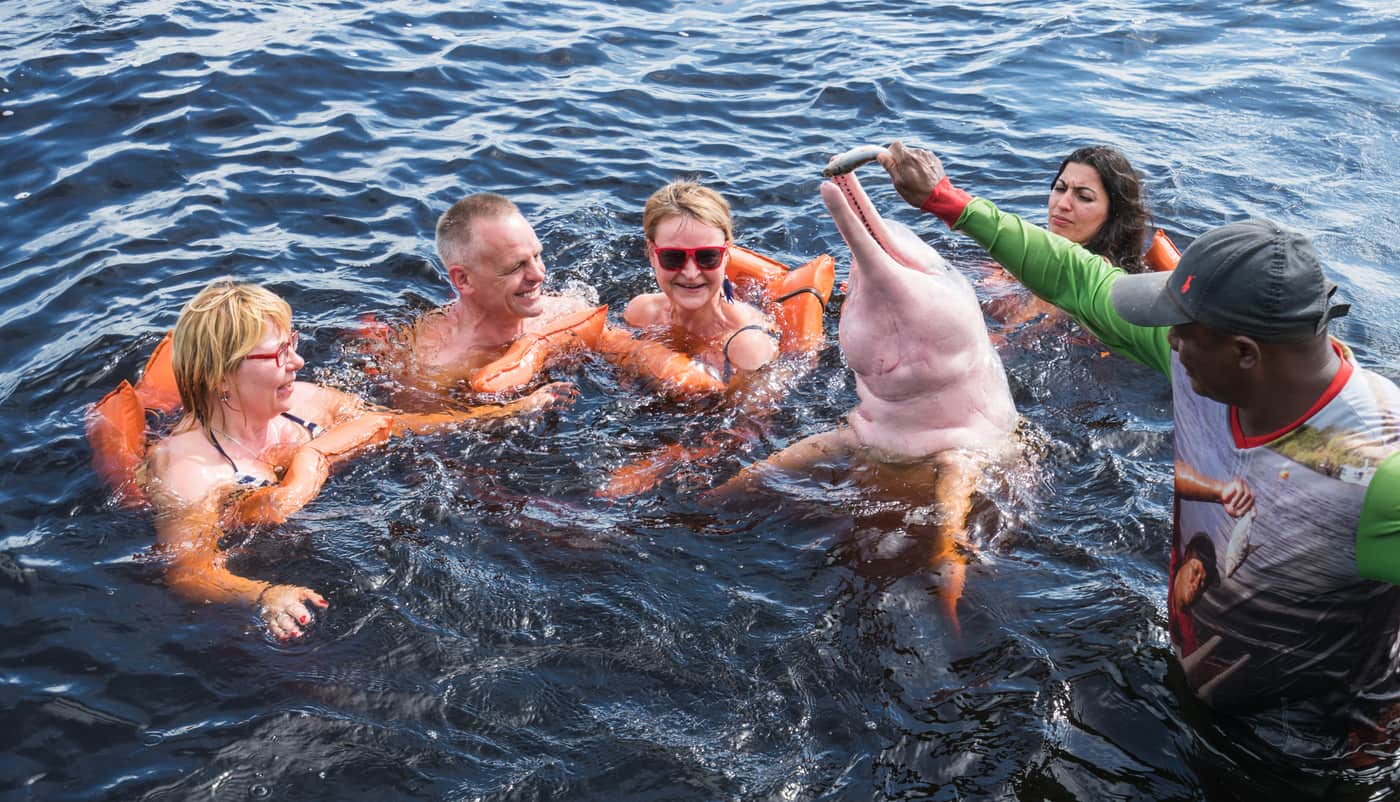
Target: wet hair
(1123, 234)
(1201, 548)
(216, 329)
(690, 199)
(454, 228)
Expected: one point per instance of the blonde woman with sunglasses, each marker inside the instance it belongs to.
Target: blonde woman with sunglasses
(255, 445)
(689, 234)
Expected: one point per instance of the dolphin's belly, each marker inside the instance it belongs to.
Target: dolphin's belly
(921, 324)
(973, 410)
(877, 431)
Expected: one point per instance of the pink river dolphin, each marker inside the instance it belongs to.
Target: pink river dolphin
(935, 410)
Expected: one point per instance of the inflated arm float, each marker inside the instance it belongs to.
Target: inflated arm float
(116, 425)
(529, 353)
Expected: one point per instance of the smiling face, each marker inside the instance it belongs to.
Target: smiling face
(1078, 205)
(505, 272)
(261, 388)
(689, 288)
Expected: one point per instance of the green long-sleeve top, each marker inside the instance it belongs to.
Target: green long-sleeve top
(1067, 276)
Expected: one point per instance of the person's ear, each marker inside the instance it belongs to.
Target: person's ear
(1247, 352)
(460, 277)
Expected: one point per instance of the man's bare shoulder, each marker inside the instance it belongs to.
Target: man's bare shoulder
(433, 330)
(438, 339)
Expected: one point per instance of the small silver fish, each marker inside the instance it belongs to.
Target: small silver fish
(843, 163)
(1239, 547)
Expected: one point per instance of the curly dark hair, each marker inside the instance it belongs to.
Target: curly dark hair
(1124, 233)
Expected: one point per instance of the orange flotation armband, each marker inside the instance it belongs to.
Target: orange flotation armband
(116, 429)
(156, 387)
(1162, 255)
(116, 425)
(677, 372)
(529, 353)
(307, 470)
(800, 295)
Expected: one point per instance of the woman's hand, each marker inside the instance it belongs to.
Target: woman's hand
(283, 608)
(915, 172)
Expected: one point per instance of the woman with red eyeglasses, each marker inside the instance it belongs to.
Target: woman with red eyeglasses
(255, 445)
(688, 233)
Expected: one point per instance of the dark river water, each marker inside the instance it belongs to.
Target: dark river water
(495, 631)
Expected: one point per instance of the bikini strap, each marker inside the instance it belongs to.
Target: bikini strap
(222, 452)
(763, 329)
(311, 427)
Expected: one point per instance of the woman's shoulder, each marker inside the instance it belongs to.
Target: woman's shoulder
(185, 466)
(182, 445)
(648, 309)
(752, 342)
(318, 403)
(746, 314)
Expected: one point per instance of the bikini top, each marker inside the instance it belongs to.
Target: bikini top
(254, 480)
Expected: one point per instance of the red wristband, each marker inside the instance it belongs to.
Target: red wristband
(947, 201)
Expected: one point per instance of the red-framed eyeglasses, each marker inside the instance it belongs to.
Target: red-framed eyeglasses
(283, 352)
(707, 258)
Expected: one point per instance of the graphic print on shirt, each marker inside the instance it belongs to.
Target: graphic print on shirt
(1270, 606)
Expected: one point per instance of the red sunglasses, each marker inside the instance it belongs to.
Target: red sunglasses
(707, 258)
(283, 352)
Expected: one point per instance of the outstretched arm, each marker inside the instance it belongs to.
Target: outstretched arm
(1234, 494)
(1051, 266)
(188, 536)
(551, 396)
(672, 371)
(753, 396)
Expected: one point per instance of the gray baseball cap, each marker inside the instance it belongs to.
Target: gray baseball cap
(1253, 278)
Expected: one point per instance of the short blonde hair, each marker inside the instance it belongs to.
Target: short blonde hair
(691, 200)
(454, 228)
(216, 329)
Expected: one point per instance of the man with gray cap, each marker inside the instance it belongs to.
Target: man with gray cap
(1300, 637)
